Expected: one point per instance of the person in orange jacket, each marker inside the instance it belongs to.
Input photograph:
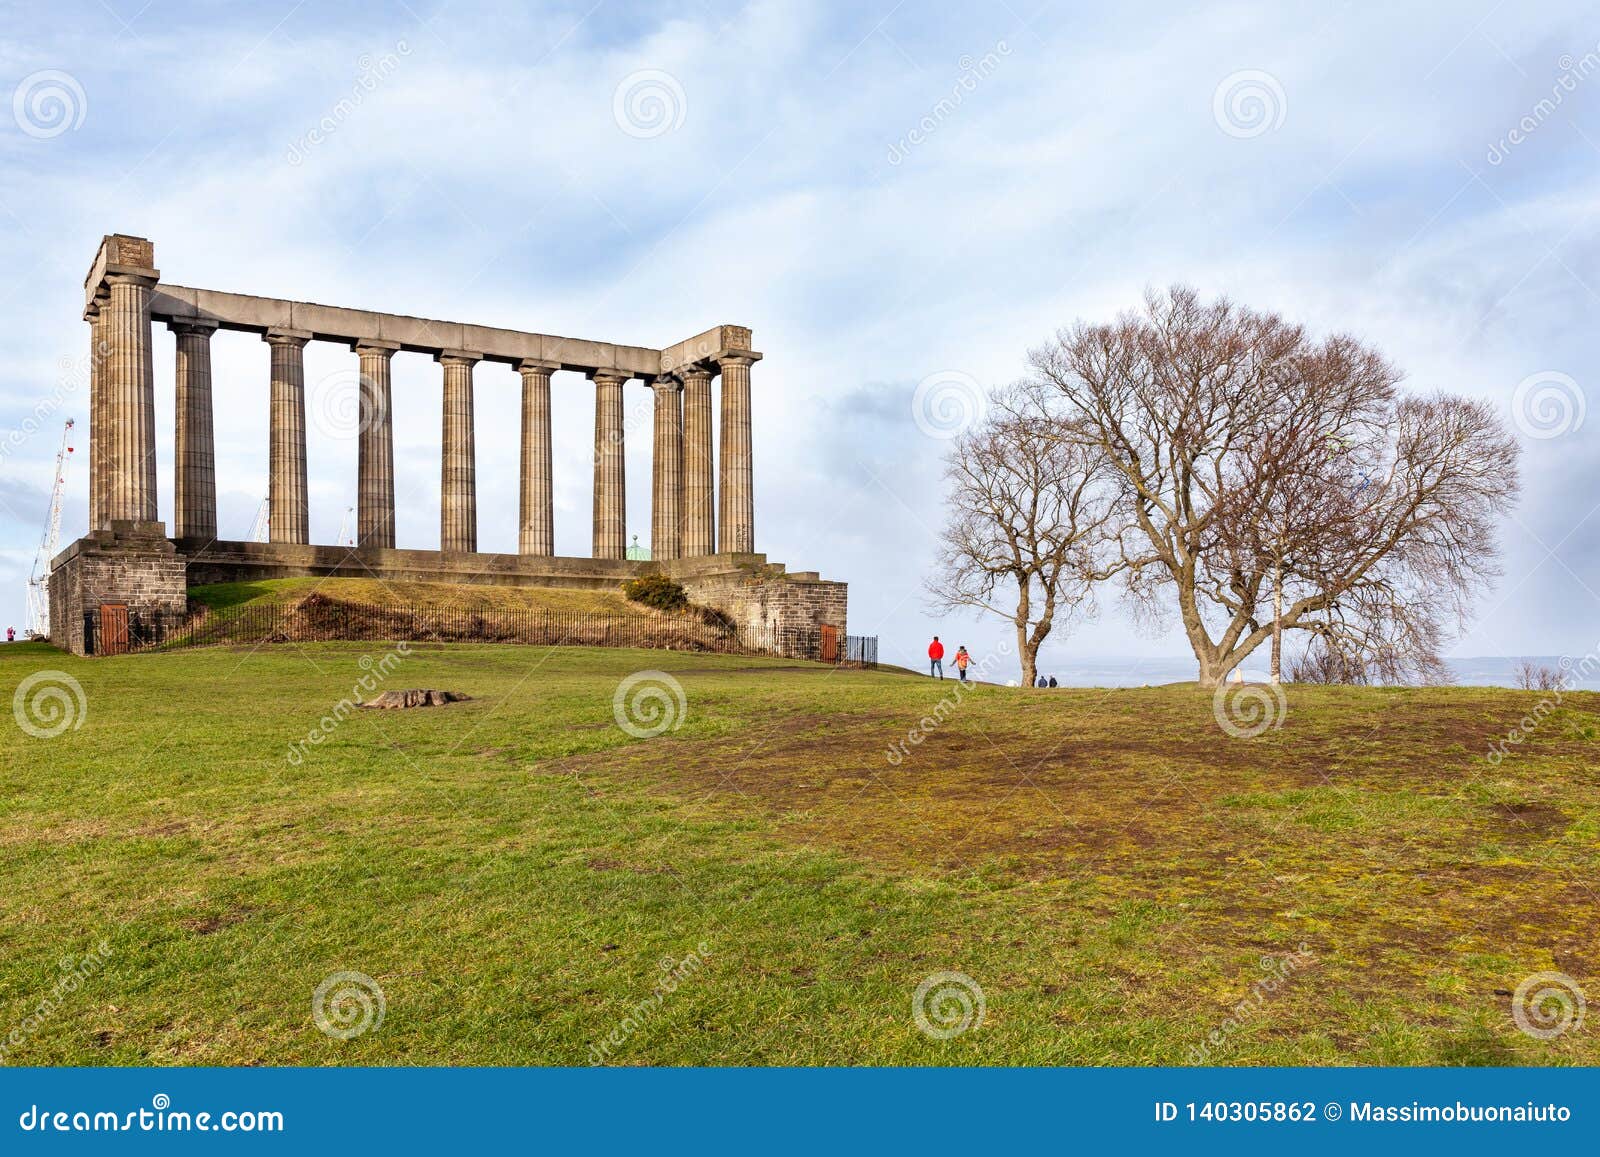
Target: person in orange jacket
(962, 659)
(936, 658)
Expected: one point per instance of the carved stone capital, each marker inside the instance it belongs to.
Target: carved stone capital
(193, 326)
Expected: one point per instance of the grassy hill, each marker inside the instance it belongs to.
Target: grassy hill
(1126, 883)
(446, 596)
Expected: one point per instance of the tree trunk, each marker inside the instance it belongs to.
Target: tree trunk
(1214, 667)
(1277, 622)
(1028, 652)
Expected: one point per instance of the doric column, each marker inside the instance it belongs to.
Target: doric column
(128, 378)
(736, 513)
(458, 481)
(610, 481)
(288, 502)
(536, 533)
(699, 477)
(375, 446)
(666, 474)
(194, 466)
(97, 412)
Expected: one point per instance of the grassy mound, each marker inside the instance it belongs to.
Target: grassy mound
(443, 596)
(325, 610)
(1124, 881)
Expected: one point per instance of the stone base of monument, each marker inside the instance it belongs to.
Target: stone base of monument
(134, 565)
(131, 567)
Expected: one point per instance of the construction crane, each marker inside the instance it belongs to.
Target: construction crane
(262, 527)
(38, 625)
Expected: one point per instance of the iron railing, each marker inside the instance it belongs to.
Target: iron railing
(318, 619)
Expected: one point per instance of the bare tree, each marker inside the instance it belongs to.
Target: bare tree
(1026, 529)
(1321, 663)
(1531, 676)
(1267, 482)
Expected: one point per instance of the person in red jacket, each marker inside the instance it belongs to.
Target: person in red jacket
(936, 658)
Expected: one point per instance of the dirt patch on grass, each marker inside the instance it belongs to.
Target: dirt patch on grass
(1533, 821)
(1349, 825)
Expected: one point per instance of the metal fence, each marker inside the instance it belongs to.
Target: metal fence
(115, 629)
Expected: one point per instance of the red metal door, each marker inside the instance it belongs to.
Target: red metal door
(113, 638)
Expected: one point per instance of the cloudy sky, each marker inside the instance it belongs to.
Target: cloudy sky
(887, 194)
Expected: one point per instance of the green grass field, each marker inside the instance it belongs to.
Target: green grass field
(1120, 877)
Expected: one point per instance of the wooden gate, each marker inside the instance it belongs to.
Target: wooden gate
(830, 644)
(112, 638)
